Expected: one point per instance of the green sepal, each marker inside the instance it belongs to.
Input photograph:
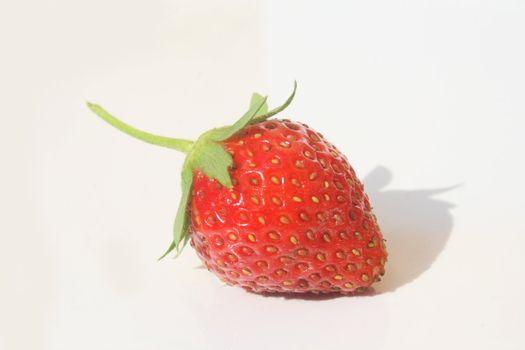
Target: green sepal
(224, 133)
(256, 100)
(182, 219)
(263, 117)
(212, 159)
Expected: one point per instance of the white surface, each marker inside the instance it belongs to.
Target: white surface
(431, 92)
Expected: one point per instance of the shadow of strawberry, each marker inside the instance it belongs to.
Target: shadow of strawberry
(415, 224)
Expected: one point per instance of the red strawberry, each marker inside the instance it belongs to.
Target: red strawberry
(272, 206)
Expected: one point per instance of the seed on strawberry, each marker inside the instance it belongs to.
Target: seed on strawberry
(271, 206)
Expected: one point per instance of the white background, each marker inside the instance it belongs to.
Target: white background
(425, 97)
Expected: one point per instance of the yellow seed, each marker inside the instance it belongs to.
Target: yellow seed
(343, 235)
(220, 263)
(338, 219)
(254, 199)
(371, 244)
(326, 197)
(296, 182)
(252, 165)
(275, 161)
(314, 137)
(312, 176)
(233, 195)
(330, 268)
(304, 216)
(294, 240)
(276, 201)
(320, 257)
(315, 199)
(308, 154)
(254, 181)
(315, 276)
(302, 284)
(271, 249)
(364, 277)
(280, 272)
(356, 252)
(266, 148)
(232, 236)
(284, 144)
(357, 235)
(297, 199)
(326, 284)
(257, 135)
(285, 259)
(287, 283)
(327, 238)
(348, 285)
(310, 235)
(262, 264)
(251, 237)
(338, 277)
(246, 271)
(261, 220)
(273, 235)
(284, 220)
(275, 180)
(326, 184)
(231, 257)
(302, 252)
(351, 267)
(250, 153)
(299, 164)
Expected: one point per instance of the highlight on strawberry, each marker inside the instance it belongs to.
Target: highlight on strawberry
(273, 207)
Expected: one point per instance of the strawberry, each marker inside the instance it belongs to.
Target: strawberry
(271, 206)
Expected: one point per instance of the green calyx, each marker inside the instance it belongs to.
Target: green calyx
(207, 154)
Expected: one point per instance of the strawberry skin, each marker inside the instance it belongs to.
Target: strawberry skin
(296, 219)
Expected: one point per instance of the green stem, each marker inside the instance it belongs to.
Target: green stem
(176, 144)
